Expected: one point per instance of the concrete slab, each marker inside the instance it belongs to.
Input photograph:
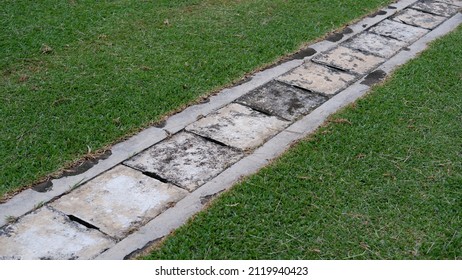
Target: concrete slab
(398, 31)
(185, 159)
(119, 201)
(452, 2)
(282, 100)
(238, 126)
(318, 78)
(47, 234)
(419, 19)
(349, 60)
(375, 44)
(436, 7)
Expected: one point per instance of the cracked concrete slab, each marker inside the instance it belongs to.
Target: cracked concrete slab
(399, 31)
(318, 78)
(419, 19)
(349, 60)
(119, 201)
(238, 126)
(282, 100)
(186, 160)
(436, 7)
(375, 44)
(47, 234)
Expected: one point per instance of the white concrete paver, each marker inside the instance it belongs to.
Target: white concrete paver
(238, 126)
(398, 31)
(185, 159)
(46, 234)
(420, 19)
(119, 201)
(349, 60)
(318, 78)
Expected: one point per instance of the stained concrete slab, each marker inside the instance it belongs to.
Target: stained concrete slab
(436, 7)
(119, 201)
(47, 234)
(419, 19)
(349, 60)
(186, 160)
(318, 78)
(452, 2)
(375, 44)
(398, 31)
(238, 126)
(282, 100)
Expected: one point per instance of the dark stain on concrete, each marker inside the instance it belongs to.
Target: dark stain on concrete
(379, 13)
(338, 36)
(303, 53)
(374, 77)
(85, 165)
(43, 187)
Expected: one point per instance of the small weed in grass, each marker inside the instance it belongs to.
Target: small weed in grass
(384, 183)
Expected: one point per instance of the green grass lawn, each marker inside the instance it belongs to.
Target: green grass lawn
(78, 75)
(383, 183)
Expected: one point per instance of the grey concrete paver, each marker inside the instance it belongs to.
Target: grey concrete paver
(349, 60)
(436, 7)
(420, 19)
(375, 44)
(185, 159)
(119, 201)
(47, 234)
(398, 31)
(238, 126)
(318, 78)
(282, 100)
(452, 2)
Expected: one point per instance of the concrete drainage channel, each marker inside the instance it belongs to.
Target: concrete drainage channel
(154, 182)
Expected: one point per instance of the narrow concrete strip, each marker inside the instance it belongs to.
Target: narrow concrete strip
(186, 208)
(28, 199)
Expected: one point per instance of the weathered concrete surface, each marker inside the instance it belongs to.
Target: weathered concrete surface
(349, 60)
(452, 2)
(46, 234)
(437, 8)
(398, 31)
(318, 78)
(185, 159)
(238, 126)
(375, 44)
(282, 100)
(119, 201)
(418, 18)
